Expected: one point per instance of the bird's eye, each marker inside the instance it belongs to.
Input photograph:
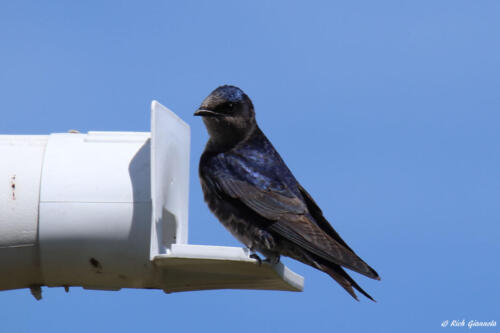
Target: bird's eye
(227, 107)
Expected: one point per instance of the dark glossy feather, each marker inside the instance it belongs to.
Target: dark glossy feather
(285, 209)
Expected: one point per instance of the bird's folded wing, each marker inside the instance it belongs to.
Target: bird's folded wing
(320, 220)
(268, 203)
(288, 216)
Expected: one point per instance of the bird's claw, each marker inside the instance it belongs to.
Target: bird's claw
(256, 257)
(269, 260)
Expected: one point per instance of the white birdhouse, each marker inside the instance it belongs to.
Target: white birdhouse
(109, 210)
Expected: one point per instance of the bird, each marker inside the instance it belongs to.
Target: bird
(249, 188)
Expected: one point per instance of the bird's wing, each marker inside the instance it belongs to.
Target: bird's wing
(287, 213)
(268, 203)
(317, 214)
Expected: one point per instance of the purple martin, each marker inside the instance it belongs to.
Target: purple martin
(249, 188)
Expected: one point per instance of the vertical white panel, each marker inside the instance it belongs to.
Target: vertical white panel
(170, 145)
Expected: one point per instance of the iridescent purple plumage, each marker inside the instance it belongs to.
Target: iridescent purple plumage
(249, 188)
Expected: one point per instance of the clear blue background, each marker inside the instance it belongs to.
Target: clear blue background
(388, 112)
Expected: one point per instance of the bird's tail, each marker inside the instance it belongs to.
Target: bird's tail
(342, 278)
(334, 270)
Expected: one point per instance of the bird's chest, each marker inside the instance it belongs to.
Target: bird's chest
(227, 214)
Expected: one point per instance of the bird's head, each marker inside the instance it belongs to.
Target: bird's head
(228, 114)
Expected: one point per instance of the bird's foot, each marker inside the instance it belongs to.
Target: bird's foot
(256, 257)
(272, 260)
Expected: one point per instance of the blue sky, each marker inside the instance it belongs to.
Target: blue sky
(388, 112)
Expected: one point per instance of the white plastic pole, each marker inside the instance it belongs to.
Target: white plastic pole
(109, 210)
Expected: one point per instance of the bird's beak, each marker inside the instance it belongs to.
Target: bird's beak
(206, 113)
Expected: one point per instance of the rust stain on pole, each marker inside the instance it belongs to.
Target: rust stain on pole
(13, 186)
